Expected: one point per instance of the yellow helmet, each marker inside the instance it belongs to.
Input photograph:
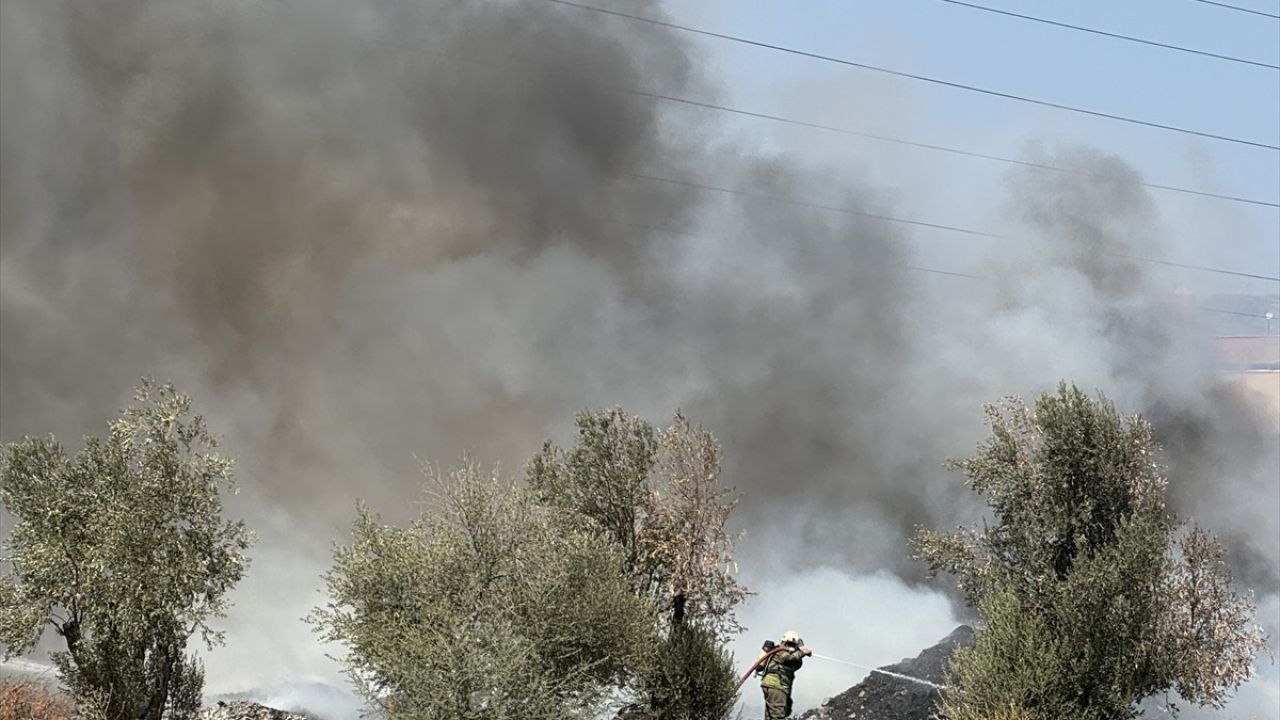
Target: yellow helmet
(792, 637)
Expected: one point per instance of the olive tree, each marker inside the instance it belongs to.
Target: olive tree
(657, 495)
(121, 548)
(689, 675)
(1093, 595)
(487, 605)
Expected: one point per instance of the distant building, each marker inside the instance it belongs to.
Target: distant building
(1254, 362)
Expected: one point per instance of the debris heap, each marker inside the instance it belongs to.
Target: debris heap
(243, 710)
(884, 697)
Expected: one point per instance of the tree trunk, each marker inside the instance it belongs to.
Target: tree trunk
(160, 694)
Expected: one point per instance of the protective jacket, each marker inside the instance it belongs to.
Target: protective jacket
(780, 669)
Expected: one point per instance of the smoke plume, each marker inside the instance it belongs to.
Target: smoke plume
(360, 232)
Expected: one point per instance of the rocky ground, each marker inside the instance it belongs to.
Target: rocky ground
(243, 710)
(883, 697)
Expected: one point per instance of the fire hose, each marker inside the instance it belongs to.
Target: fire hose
(770, 653)
(759, 661)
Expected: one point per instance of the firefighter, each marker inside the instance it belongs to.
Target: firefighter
(778, 673)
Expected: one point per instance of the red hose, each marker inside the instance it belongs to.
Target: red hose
(759, 661)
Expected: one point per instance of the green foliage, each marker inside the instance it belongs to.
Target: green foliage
(544, 600)
(186, 687)
(490, 606)
(1093, 596)
(657, 496)
(688, 676)
(122, 549)
(604, 479)
(1015, 663)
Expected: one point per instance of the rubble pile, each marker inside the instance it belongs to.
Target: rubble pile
(243, 710)
(884, 697)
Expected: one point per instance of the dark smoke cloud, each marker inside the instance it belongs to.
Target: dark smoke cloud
(236, 165)
(360, 231)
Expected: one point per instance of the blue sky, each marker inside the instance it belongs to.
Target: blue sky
(959, 44)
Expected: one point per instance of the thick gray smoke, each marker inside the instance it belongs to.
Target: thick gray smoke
(362, 231)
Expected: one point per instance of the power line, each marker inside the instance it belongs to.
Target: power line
(885, 218)
(855, 133)
(936, 271)
(941, 148)
(813, 206)
(921, 223)
(1188, 266)
(845, 131)
(1256, 316)
(1241, 9)
(915, 268)
(695, 236)
(922, 78)
(1116, 36)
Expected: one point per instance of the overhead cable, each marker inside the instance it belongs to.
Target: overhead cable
(1255, 316)
(944, 148)
(811, 206)
(856, 133)
(695, 236)
(921, 78)
(843, 130)
(1240, 9)
(920, 223)
(1116, 36)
